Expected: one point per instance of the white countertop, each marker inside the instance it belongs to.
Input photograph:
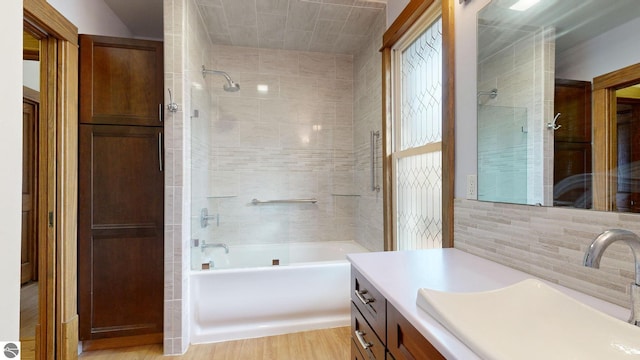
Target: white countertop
(399, 274)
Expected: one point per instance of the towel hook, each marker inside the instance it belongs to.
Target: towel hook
(552, 125)
(171, 106)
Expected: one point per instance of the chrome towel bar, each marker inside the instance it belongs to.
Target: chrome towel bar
(285, 201)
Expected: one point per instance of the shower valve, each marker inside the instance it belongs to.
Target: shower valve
(205, 217)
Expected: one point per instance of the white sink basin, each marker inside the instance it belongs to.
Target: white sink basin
(531, 320)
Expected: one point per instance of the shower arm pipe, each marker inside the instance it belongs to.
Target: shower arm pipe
(217, 72)
(374, 136)
(284, 201)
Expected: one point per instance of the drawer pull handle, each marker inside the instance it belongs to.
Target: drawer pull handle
(360, 295)
(360, 336)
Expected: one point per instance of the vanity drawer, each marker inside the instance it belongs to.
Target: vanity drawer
(405, 342)
(370, 302)
(366, 344)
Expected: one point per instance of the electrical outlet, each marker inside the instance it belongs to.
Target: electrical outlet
(472, 187)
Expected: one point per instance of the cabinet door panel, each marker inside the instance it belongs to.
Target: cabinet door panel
(405, 342)
(120, 231)
(572, 144)
(573, 102)
(121, 81)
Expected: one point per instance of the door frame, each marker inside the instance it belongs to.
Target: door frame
(57, 329)
(605, 136)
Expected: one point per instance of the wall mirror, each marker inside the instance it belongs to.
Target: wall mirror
(558, 103)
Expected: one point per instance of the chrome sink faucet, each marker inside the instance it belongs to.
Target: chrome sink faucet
(224, 246)
(597, 248)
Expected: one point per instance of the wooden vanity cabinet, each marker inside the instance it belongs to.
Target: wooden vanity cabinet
(379, 331)
(365, 340)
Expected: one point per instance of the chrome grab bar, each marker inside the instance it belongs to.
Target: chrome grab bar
(360, 336)
(285, 201)
(374, 136)
(360, 296)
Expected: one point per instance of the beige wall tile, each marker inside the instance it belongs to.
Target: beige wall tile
(548, 243)
(318, 65)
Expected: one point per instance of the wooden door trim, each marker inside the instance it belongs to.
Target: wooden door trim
(41, 14)
(605, 134)
(57, 333)
(409, 16)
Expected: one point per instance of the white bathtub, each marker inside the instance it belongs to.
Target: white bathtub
(239, 303)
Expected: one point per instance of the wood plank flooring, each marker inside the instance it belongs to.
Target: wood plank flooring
(28, 310)
(28, 320)
(327, 344)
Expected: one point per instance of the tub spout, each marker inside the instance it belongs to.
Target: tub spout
(222, 245)
(597, 248)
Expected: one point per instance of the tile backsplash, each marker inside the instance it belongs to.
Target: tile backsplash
(549, 242)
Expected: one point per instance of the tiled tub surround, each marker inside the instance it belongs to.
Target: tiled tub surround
(293, 141)
(187, 48)
(549, 242)
(367, 116)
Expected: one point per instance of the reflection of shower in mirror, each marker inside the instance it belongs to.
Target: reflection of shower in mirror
(493, 93)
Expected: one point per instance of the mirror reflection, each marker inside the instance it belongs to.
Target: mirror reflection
(558, 105)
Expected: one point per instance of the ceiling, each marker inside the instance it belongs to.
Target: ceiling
(574, 21)
(338, 26)
(142, 17)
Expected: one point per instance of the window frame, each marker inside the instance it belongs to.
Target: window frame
(410, 24)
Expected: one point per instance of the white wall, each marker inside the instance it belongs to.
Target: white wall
(92, 17)
(31, 74)
(588, 60)
(394, 8)
(11, 165)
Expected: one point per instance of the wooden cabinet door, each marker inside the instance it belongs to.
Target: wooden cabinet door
(572, 99)
(121, 81)
(572, 144)
(120, 231)
(405, 342)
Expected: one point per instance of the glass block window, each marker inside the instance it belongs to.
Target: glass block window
(418, 141)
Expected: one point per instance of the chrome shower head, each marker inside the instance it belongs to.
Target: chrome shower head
(230, 86)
